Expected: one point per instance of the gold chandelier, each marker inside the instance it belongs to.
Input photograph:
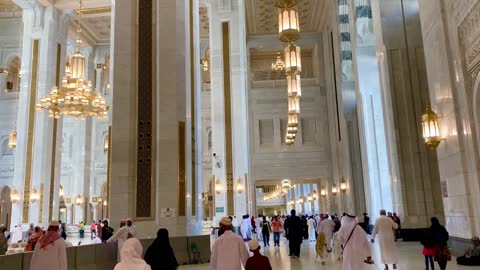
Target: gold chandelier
(279, 64)
(278, 191)
(75, 97)
(289, 32)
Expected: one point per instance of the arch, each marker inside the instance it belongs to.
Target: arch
(4, 149)
(476, 110)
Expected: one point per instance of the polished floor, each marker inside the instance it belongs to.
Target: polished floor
(410, 254)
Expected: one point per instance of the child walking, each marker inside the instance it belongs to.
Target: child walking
(321, 248)
(429, 250)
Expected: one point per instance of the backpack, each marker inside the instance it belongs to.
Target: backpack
(265, 227)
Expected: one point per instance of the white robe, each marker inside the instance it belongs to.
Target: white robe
(337, 245)
(384, 227)
(246, 229)
(327, 226)
(132, 256)
(229, 252)
(311, 229)
(17, 234)
(121, 235)
(258, 221)
(51, 257)
(357, 248)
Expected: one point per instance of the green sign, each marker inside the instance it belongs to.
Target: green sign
(220, 210)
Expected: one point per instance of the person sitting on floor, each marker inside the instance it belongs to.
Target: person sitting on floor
(472, 255)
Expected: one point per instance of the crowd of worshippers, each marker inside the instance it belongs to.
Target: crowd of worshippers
(238, 246)
(49, 246)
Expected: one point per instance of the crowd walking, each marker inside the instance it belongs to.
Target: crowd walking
(343, 237)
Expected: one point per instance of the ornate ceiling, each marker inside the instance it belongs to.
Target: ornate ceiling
(8, 9)
(262, 16)
(96, 24)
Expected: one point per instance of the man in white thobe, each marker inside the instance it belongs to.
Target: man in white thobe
(229, 251)
(327, 226)
(126, 231)
(246, 228)
(311, 229)
(50, 251)
(385, 228)
(355, 243)
(258, 222)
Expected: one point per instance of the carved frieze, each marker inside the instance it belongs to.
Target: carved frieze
(469, 34)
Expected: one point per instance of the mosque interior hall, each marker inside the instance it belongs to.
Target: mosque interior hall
(177, 114)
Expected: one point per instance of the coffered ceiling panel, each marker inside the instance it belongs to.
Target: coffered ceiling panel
(262, 16)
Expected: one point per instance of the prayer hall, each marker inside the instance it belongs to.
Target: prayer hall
(239, 134)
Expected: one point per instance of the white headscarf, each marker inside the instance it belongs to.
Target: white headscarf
(348, 223)
(131, 256)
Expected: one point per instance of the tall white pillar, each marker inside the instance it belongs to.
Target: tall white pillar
(232, 12)
(45, 27)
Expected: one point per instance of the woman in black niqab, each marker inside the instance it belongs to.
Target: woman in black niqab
(159, 254)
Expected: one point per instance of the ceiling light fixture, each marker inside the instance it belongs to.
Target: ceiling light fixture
(75, 97)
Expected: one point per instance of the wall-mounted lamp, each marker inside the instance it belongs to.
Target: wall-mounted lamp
(34, 196)
(431, 133)
(218, 186)
(78, 200)
(240, 187)
(300, 200)
(323, 192)
(310, 197)
(334, 189)
(314, 194)
(204, 64)
(343, 185)
(12, 139)
(15, 196)
(106, 143)
(61, 192)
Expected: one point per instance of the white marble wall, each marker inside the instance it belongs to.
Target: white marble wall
(450, 31)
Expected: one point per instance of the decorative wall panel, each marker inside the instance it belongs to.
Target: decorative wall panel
(143, 202)
(228, 117)
(31, 124)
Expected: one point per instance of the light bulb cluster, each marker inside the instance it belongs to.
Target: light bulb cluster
(289, 32)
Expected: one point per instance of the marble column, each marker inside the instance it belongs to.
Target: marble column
(34, 155)
(232, 12)
(415, 180)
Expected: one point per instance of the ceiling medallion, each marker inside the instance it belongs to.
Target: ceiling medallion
(75, 97)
